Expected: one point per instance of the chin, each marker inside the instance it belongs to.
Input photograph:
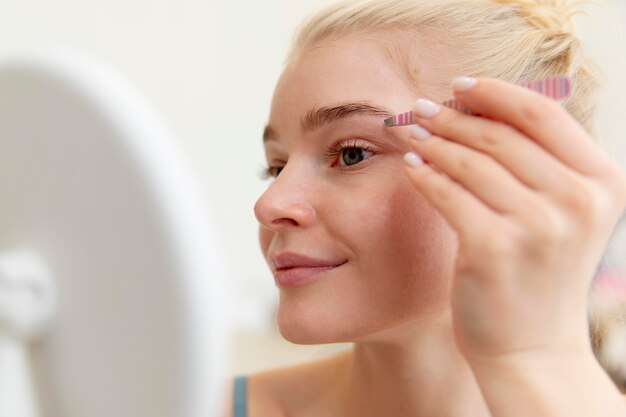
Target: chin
(321, 326)
(311, 326)
(302, 330)
(299, 337)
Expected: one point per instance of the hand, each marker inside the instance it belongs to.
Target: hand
(534, 202)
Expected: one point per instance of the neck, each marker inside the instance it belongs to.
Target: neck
(412, 372)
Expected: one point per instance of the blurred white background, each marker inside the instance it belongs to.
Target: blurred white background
(209, 67)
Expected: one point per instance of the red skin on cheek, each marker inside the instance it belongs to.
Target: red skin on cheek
(417, 248)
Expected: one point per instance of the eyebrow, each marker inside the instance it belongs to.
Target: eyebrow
(318, 117)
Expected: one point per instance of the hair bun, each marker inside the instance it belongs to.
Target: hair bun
(553, 15)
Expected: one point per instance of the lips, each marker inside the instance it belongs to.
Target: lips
(292, 269)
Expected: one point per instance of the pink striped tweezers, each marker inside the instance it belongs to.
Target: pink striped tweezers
(553, 87)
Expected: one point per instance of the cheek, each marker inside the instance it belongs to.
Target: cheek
(405, 241)
(418, 237)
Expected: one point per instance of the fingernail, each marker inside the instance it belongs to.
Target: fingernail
(426, 108)
(419, 133)
(412, 159)
(462, 84)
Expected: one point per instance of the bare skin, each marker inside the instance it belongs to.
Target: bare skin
(399, 291)
(339, 385)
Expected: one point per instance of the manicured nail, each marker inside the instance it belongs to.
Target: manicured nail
(426, 108)
(412, 159)
(462, 84)
(419, 133)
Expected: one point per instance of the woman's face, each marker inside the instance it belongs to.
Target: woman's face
(384, 257)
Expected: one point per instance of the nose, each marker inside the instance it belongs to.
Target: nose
(286, 203)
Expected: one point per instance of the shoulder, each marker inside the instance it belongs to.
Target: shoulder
(235, 392)
(283, 391)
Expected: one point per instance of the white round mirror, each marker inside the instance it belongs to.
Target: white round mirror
(111, 295)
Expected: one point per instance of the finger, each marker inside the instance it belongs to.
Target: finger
(447, 196)
(538, 117)
(479, 174)
(525, 159)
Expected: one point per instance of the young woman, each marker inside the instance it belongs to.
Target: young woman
(457, 254)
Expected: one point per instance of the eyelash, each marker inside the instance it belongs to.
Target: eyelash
(338, 147)
(332, 152)
(266, 173)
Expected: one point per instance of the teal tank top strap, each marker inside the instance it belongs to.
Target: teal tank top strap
(240, 401)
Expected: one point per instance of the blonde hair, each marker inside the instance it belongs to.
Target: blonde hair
(513, 40)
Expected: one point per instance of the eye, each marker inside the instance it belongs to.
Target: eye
(349, 153)
(352, 156)
(270, 172)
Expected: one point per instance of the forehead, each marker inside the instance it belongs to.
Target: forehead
(338, 71)
(355, 69)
